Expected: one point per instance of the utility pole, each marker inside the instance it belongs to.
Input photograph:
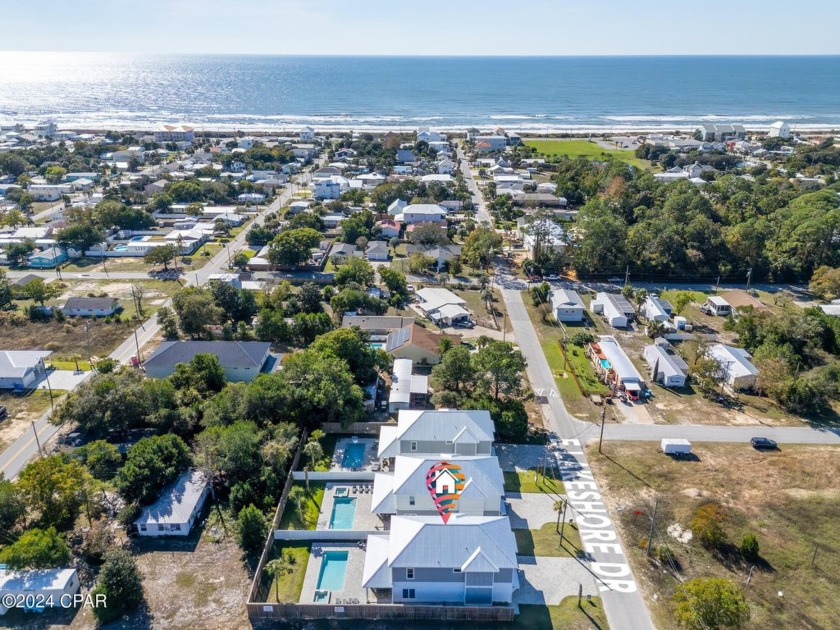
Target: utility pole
(749, 278)
(52, 403)
(627, 275)
(717, 285)
(137, 344)
(37, 441)
(87, 335)
(603, 417)
(652, 526)
(563, 519)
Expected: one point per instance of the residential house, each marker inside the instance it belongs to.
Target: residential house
(438, 433)
(91, 306)
(48, 258)
(404, 491)
(296, 207)
(425, 135)
(422, 213)
(340, 252)
(241, 360)
(737, 370)
(417, 343)
(442, 306)
(179, 505)
(544, 234)
(442, 254)
(779, 129)
(445, 166)
(43, 588)
(470, 560)
(49, 192)
(330, 188)
(377, 250)
(567, 305)
(614, 367)
(408, 390)
(485, 144)
(232, 279)
(614, 308)
(406, 156)
(325, 172)
(396, 207)
(303, 151)
(22, 369)
(656, 309)
(716, 305)
(307, 134)
(540, 200)
(247, 198)
(389, 228)
(739, 299)
(666, 367)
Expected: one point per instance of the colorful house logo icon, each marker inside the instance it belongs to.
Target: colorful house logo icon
(445, 482)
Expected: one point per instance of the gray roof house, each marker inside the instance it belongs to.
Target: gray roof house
(91, 306)
(174, 513)
(438, 432)
(22, 369)
(471, 560)
(404, 491)
(666, 366)
(377, 250)
(567, 305)
(241, 360)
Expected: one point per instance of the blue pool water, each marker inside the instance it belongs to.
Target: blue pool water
(137, 238)
(343, 513)
(333, 569)
(377, 345)
(605, 364)
(354, 456)
(120, 248)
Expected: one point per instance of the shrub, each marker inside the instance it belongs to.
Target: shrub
(749, 547)
(582, 338)
(664, 554)
(707, 524)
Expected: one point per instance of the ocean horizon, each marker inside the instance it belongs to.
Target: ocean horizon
(525, 94)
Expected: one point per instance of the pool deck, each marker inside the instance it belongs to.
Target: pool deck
(363, 519)
(352, 579)
(371, 445)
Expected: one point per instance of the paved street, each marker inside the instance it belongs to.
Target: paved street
(709, 433)
(16, 456)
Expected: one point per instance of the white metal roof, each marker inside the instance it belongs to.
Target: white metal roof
(16, 363)
(438, 425)
(434, 299)
(735, 360)
(669, 364)
(566, 298)
(177, 502)
(619, 361)
(34, 580)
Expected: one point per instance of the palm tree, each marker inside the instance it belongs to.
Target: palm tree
(277, 568)
(558, 507)
(314, 451)
(655, 329)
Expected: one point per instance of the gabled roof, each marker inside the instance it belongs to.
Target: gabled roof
(440, 425)
(376, 322)
(16, 363)
(35, 580)
(479, 562)
(566, 298)
(231, 354)
(482, 472)
(95, 303)
(177, 502)
(736, 361)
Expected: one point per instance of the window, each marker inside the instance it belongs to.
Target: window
(142, 528)
(411, 500)
(408, 593)
(414, 446)
(449, 441)
(409, 574)
(456, 570)
(176, 528)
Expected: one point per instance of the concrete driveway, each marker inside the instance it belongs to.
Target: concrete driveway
(520, 456)
(64, 379)
(547, 581)
(532, 510)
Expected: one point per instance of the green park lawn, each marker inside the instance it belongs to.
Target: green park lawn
(583, 148)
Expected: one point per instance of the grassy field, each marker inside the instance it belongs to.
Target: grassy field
(584, 148)
(287, 588)
(788, 498)
(546, 541)
(65, 338)
(524, 482)
(482, 316)
(312, 507)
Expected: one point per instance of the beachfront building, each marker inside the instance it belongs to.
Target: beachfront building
(174, 133)
(779, 129)
(175, 512)
(567, 305)
(486, 144)
(307, 134)
(614, 308)
(614, 367)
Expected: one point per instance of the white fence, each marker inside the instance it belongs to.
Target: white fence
(334, 535)
(334, 475)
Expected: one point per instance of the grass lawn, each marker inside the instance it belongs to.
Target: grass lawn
(312, 507)
(545, 541)
(577, 148)
(482, 316)
(287, 588)
(788, 498)
(522, 482)
(68, 364)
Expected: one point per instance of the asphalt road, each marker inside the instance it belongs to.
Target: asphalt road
(16, 456)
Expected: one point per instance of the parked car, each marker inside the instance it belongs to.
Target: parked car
(468, 323)
(3, 412)
(552, 276)
(763, 444)
(616, 280)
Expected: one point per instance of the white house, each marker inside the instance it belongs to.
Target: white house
(407, 390)
(718, 306)
(307, 134)
(22, 369)
(567, 305)
(445, 166)
(389, 228)
(471, 560)
(377, 250)
(615, 367)
(656, 309)
(404, 490)
(423, 213)
(614, 308)
(174, 513)
(779, 129)
(49, 192)
(438, 432)
(91, 306)
(330, 188)
(442, 306)
(737, 369)
(666, 366)
(546, 234)
(53, 588)
(396, 207)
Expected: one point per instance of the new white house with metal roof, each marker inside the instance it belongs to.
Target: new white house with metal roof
(470, 560)
(615, 367)
(175, 512)
(567, 305)
(438, 432)
(666, 366)
(52, 587)
(22, 369)
(404, 490)
(737, 369)
(656, 309)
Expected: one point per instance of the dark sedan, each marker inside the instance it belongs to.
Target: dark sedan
(763, 444)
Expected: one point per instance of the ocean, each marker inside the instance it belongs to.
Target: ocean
(524, 94)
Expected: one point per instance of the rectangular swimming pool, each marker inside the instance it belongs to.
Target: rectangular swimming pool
(354, 456)
(343, 513)
(605, 364)
(333, 570)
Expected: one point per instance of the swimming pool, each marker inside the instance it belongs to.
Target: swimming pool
(605, 364)
(377, 345)
(343, 513)
(332, 572)
(120, 248)
(354, 456)
(136, 239)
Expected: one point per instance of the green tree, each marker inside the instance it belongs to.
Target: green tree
(185, 191)
(162, 255)
(80, 236)
(12, 505)
(152, 463)
(100, 458)
(455, 372)
(168, 322)
(710, 603)
(16, 252)
(293, 247)
(749, 548)
(37, 549)
(314, 451)
(396, 284)
(499, 366)
(121, 582)
(238, 305)
(109, 213)
(278, 568)
(204, 373)
(419, 263)
(39, 291)
(352, 345)
(825, 283)
(681, 300)
(53, 488)
(251, 529)
(14, 218)
(481, 246)
(54, 174)
(196, 310)
(707, 524)
(356, 270)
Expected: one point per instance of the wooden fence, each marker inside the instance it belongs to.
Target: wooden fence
(366, 428)
(263, 614)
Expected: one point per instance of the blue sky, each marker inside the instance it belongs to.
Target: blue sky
(420, 27)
